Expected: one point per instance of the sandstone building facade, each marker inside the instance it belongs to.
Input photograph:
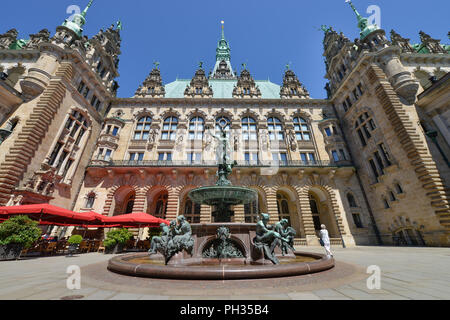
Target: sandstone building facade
(370, 161)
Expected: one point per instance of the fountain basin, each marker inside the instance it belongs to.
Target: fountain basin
(222, 195)
(141, 265)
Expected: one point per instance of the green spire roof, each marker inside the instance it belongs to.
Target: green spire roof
(223, 68)
(78, 21)
(223, 49)
(363, 23)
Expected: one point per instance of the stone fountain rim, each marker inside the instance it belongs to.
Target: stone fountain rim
(121, 265)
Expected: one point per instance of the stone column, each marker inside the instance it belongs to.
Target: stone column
(172, 204)
(239, 213)
(307, 220)
(272, 207)
(139, 201)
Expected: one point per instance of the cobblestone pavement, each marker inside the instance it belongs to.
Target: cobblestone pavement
(406, 273)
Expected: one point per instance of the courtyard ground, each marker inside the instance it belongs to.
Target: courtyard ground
(406, 273)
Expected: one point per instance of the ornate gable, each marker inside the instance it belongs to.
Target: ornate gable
(152, 86)
(199, 86)
(398, 40)
(292, 87)
(246, 86)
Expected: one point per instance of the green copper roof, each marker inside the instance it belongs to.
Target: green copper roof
(223, 49)
(363, 23)
(78, 21)
(19, 44)
(222, 89)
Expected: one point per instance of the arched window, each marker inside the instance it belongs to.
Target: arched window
(129, 204)
(196, 128)
(363, 126)
(142, 130)
(275, 128)
(169, 128)
(90, 200)
(249, 131)
(223, 122)
(161, 205)
(283, 207)
(302, 131)
(192, 211)
(351, 200)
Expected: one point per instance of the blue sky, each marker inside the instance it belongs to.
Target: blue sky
(264, 34)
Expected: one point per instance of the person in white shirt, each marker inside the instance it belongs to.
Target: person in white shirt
(325, 239)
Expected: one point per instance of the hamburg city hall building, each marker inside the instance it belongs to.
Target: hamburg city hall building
(371, 161)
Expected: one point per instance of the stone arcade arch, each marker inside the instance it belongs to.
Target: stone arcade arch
(327, 203)
(288, 208)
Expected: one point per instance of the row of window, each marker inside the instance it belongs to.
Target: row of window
(84, 90)
(196, 157)
(392, 196)
(76, 125)
(197, 128)
(379, 161)
(350, 99)
(364, 125)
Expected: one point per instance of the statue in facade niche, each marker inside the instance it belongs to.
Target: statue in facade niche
(267, 238)
(152, 136)
(174, 239)
(264, 140)
(292, 140)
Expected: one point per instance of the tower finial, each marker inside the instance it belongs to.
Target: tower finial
(87, 8)
(78, 21)
(354, 9)
(363, 23)
(119, 25)
(223, 32)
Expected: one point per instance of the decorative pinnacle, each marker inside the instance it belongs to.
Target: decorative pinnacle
(156, 64)
(83, 14)
(223, 32)
(354, 9)
(119, 25)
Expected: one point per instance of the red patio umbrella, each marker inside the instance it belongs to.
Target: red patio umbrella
(137, 219)
(48, 214)
(99, 222)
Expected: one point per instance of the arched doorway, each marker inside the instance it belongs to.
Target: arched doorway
(288, 209)
(157, 203)
(321, 212)
(253, 209)
(124, 199)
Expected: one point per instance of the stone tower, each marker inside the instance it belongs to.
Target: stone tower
(374, 90)
(65, 83)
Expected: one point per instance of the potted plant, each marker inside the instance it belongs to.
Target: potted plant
(74, 243)
(116, 239)
(16, 234)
